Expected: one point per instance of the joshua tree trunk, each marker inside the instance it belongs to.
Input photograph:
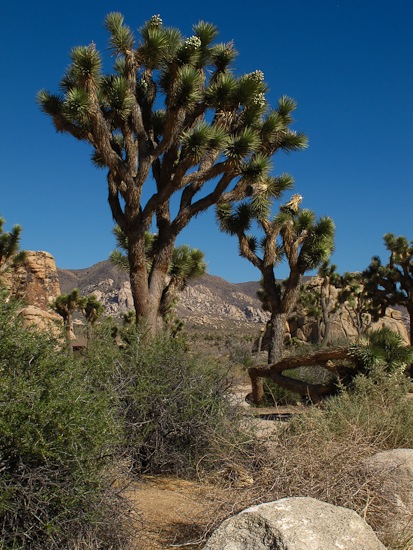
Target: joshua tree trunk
(275, 352)
(277, 335)
(147, 288)
(139, 276)
(410, 312)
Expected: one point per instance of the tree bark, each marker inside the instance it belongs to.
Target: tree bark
(410, 312)
(278, 324)
(148, 287)
(275, 352)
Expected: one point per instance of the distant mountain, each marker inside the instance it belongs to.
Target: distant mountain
(209, 300)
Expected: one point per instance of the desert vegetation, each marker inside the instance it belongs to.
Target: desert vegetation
(147, 399)
(76, 429)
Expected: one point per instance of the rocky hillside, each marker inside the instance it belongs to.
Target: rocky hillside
(209, 300)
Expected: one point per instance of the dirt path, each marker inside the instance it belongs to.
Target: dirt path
(172, 513)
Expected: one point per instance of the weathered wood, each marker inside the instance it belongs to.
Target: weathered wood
(321, 358)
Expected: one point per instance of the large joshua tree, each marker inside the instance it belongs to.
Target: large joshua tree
(293, 233)
(392, 284)
(173, 116)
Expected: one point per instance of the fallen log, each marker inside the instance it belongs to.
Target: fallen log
(323, 358)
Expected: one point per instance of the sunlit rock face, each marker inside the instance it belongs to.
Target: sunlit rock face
(35, 281)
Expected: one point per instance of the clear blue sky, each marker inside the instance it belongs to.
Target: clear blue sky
(348, 64)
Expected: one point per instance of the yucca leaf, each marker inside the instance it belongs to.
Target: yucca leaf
(256, 168)
(244, 143)
(220, 94)
(206, 32)
(187, 90)
(158, 121)
(222, 55)
(86, 63)
(77, 104)
(291, 141)
(49, 103)
(121, 39)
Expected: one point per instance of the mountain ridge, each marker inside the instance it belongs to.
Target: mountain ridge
(207, 300)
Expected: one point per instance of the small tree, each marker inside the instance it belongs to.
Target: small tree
(9, 247)
(320, 302)
(65, 305)
(293, 234)
(186, 264)
(392, 284)
(173, 110)
(92, 309)
(357, 302)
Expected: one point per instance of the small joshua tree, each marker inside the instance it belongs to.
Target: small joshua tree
(92, 309)
(320, 302)
(65, 305)
(9, 247)
(392, 284)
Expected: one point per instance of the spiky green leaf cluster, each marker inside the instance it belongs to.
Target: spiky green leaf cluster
(116, 95)
(242, 144)
(9, 246)
(319, 243)
(187, 263)
(234, 220)
(187, 89)
(86, 64)
(121, 37)
(202, 138)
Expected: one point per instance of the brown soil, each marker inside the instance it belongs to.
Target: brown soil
(172, 513)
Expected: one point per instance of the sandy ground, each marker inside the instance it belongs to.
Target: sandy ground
(172, 513)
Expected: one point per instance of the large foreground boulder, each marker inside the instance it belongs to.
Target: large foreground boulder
(296, 523)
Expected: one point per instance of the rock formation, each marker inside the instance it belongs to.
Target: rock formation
(210, 301)
(35, 281)
(296, 523)
(304, 328)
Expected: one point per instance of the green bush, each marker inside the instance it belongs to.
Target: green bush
(57, 431)
(174, 406)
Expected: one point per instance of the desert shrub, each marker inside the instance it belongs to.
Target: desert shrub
(275, 395)
(174, 406)
(240, 352)
(57, 434)
(320, 452)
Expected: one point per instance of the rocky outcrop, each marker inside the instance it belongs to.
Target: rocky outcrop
(393, 473)
(304, 328)
(36, 280)
(295, 524)
(33, 316)
(201, 305)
